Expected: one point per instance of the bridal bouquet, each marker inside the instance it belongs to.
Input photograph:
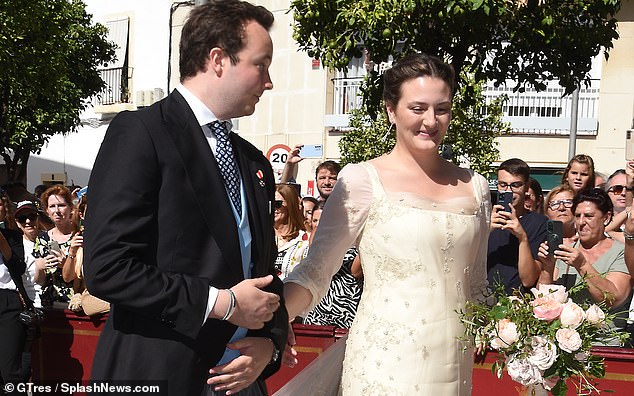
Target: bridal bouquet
(542, 338)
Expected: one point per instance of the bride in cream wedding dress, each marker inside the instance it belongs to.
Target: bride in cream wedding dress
(421, 225)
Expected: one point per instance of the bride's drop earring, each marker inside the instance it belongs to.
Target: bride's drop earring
(387, 133)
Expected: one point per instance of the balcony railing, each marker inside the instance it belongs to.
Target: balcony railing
(547, 112)
(529, 113)
(347, 94)
(116, 90)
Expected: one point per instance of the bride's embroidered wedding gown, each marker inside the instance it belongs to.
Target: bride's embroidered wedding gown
(421, 260)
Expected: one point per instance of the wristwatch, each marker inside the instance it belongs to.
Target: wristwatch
(276, 352)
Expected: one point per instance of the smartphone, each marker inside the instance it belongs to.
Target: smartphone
(554, 235)
(505, 198)
(311, 151)
(629, 144)
(54, 245)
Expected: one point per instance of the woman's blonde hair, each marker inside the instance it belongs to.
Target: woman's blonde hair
(295, 216)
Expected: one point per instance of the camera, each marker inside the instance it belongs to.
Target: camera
(31, 317)
(554, 235)
(505, 198)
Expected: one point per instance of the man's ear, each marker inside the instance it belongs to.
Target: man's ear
(216, 60)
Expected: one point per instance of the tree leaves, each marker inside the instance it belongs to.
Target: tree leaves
(49, 54)
(526, 41)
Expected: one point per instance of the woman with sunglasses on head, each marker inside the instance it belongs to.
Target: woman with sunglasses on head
(579, 174)
(594, 256)
(628, 236)
(616, 186)
(289, 230)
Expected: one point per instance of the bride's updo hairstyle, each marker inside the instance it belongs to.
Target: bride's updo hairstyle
(414, 66)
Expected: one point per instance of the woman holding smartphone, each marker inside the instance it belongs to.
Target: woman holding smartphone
(558, 207)
(54, 249)
(595, 256)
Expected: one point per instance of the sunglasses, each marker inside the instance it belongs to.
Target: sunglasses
(554, 205)
(617, 189)
(278, 204)
(23, 218)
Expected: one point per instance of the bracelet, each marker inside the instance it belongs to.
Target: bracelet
(232, 305)
(628, 237)
(71, 257)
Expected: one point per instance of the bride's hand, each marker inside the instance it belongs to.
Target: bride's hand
(289, 356)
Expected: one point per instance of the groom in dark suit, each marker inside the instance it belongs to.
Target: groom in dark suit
(179, 230)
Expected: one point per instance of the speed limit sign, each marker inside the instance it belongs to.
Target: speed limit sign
(277, 156)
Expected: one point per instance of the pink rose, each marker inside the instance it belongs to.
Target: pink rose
(547, 308)
(505, 334)
(557, 292)
(568, 339)
(595, 315)
(572, 315)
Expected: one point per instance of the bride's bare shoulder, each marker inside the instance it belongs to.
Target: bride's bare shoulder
(383, 163)
(455, 172)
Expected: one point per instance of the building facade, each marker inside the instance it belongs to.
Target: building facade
(309, 105)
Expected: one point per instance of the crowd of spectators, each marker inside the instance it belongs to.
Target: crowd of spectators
(593, 209)
(42, 242)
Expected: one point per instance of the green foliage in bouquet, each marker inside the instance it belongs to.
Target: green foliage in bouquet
(542, 338)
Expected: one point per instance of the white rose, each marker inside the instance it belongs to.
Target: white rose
(556, 292)
(572, 315)
(595, 315)
(505, 334)
(543, 353)
(522, 371)
(550, 382)
(568, 339)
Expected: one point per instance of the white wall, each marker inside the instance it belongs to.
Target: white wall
(75, 152)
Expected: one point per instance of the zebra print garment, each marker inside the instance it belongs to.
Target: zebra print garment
(339, 306)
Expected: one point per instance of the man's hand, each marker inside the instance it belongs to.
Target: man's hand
(507, 221)
(293, 156)
(254, 307)
(232, 377)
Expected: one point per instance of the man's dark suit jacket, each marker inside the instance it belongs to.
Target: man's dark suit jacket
(159, 232)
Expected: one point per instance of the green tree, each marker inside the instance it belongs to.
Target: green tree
(49, 54)
(527, 41)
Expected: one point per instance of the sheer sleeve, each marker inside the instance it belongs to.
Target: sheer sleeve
(478, 274)
(339, 228)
